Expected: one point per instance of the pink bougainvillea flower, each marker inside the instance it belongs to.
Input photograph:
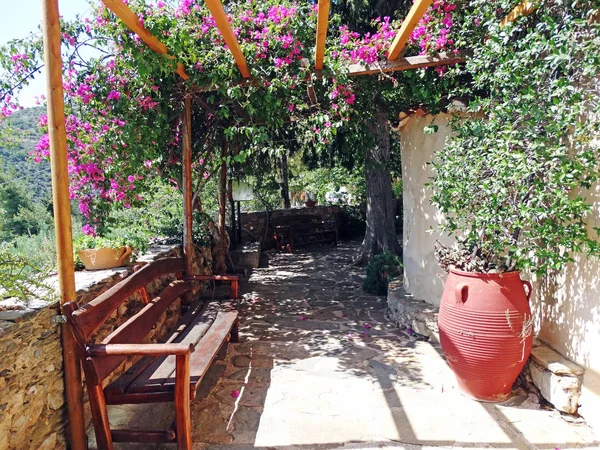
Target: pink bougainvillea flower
(410, 331)
(302, 317)
(364, 333)
(235, 394)
(367, 326)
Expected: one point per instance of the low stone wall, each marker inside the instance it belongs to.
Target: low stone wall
(32, 403)
(253, 223)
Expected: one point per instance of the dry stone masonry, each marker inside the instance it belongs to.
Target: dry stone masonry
(32, 404)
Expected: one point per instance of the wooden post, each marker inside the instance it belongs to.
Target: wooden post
(62, 215)
(223, 190)
(239, 223)
(186, 160)
(232, 213)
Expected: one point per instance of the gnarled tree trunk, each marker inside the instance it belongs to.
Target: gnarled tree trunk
(381, 208)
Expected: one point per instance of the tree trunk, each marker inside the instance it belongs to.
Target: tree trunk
(381, 208)
(285, 189)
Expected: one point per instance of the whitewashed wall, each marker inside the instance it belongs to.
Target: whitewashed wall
(566, 306)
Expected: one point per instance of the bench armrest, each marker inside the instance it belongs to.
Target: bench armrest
(139, 349)
(233, 278)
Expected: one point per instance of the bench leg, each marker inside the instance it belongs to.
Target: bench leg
(100, 417)
(234, 335)
(182, 402)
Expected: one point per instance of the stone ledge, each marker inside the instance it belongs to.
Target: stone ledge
(558, 379)
(411, 313)
(13, 310)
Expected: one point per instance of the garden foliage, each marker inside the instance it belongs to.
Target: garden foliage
(518, 180)
(379, 271)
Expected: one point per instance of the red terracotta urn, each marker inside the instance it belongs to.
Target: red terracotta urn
(486, 331)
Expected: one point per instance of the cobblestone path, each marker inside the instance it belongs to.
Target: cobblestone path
(319, 366)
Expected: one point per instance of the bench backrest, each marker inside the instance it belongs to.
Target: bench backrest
(88, 318)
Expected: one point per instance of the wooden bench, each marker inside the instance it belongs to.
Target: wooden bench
(290, 232)
(170, 371)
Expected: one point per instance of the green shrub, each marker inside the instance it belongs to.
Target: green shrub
(22, 278)
(379, 271)
(353, 222)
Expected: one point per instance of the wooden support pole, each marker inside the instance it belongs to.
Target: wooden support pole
(186, 161)
(322, 21)
(524, 8)
(410, 22)
(218, 13)
(223, 190)
(62, 215)
(233, 236)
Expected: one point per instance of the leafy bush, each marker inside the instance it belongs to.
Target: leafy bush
(379, 271)
(22, 278)
(353, 222)
(514, 181)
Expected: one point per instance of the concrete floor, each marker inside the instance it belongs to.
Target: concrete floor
(319, 366)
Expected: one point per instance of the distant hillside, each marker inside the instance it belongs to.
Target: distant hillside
(16, 160)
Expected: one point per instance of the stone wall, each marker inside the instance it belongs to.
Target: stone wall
(253, 223)
(32, 404)
(566, 306)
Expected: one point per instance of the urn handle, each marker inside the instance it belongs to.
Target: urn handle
(124, 252)
(461, 291)
(529, 288)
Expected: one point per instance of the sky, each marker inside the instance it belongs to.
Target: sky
(20, 17)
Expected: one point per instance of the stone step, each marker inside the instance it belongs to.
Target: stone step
(558, 379)
(410, 313)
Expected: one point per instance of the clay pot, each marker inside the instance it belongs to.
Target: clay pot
(310, 203)
(486, 331)
(105, 258)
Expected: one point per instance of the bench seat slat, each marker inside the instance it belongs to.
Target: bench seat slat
(207, 347)
(161, 369)
(120, 385)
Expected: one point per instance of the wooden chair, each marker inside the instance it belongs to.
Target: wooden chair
(170, 371)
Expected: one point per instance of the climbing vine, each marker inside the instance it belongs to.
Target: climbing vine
(519, 179)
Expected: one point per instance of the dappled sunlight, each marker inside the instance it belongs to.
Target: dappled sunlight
(319, 364)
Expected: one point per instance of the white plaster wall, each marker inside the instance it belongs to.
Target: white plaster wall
(422, 275)
(566, 306)
(567, 311)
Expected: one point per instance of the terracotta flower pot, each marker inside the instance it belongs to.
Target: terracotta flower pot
(105, 258)
(310, 203)
(486, 331)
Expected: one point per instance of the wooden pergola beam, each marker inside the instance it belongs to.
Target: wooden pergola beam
(412, 62)
(218, 13)
(524, 8)
(412, 19)
(322, 21)
(129, 18)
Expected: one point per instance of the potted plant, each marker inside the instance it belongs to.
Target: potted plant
(310, 200)
(102, 253)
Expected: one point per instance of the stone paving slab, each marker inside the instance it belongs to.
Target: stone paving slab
(320, 367)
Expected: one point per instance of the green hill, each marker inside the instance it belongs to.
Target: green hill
(15, 160)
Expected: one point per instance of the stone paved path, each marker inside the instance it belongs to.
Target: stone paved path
(319, 366)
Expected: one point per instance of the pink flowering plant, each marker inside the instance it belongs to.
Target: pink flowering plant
(124, 100)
